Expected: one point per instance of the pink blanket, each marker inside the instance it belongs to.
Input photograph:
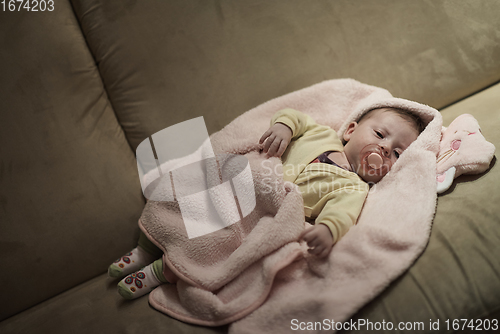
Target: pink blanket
(255, 274)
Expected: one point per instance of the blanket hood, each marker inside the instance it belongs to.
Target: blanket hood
(430, 136)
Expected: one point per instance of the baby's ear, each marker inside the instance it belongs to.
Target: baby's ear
(350, 129)
(463, 150)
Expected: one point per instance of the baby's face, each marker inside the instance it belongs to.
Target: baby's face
(388, 133)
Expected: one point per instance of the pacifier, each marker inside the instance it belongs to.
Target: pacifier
(374, 160)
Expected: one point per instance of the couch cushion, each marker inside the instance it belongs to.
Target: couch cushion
(458, 275)
(164, 62)
(96, 307)
(69, 191)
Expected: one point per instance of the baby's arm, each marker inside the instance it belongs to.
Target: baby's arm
(338, 215)
(287, 124)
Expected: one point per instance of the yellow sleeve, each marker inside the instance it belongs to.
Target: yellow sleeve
(342, 210)
(294, 119)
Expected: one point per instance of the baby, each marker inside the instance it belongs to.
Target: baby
(333, 176)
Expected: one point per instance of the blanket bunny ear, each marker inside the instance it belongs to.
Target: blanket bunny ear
(463, 150)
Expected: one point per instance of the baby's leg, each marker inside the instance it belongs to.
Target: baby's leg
(143, 281)
(145, 253)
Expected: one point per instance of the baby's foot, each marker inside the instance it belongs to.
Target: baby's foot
(139, 283)
(130, 262)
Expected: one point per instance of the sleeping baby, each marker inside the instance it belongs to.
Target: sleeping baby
(333, 175)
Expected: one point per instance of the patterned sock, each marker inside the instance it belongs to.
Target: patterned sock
(130, 262)
(139, 283)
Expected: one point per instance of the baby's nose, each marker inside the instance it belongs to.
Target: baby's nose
(385, 149)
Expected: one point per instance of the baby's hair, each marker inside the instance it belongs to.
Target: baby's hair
(416, 121)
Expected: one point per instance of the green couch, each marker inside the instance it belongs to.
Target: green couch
(81, 86)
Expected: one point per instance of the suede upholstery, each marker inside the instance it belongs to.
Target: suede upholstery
(82, 86)
(67, 169)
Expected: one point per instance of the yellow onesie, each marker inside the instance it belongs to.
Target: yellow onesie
(332, 195)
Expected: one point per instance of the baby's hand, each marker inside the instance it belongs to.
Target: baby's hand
(319, 239)
(278, 137)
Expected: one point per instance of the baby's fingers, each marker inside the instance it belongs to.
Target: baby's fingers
(273, 149)
(282, 148)
(301, 236)
(315, 243)
(270, 140)
(265, 135)
(316, 250)
(306, 235)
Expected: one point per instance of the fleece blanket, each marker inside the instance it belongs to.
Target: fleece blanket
(255, 274)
